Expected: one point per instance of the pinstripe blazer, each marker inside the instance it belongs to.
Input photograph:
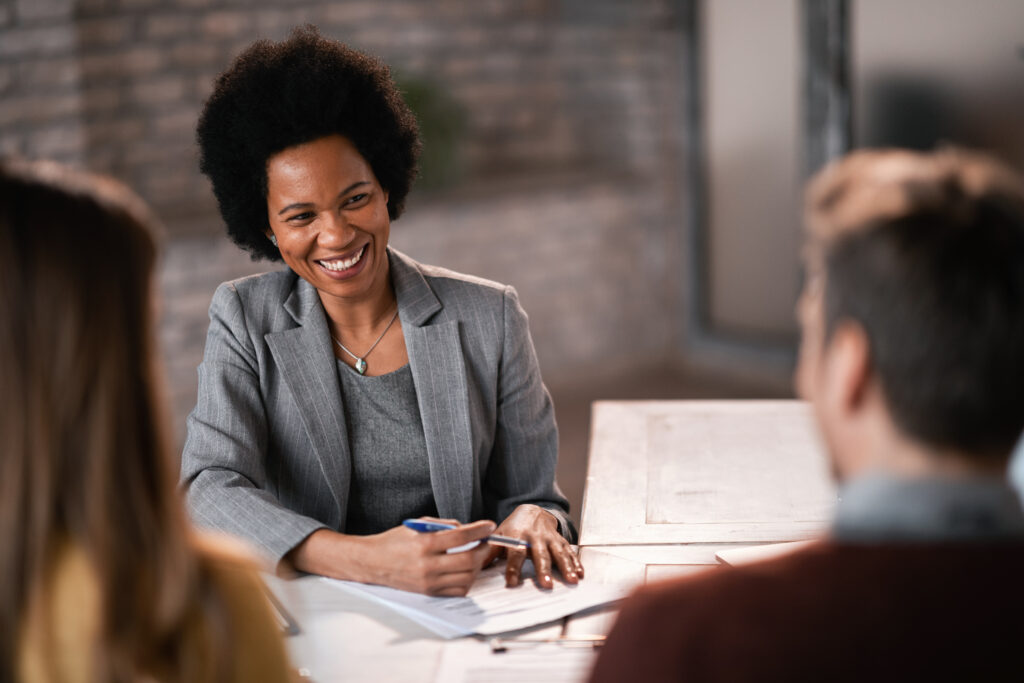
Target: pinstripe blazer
(267, 453)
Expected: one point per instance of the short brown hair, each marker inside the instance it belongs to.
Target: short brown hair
(926, 252)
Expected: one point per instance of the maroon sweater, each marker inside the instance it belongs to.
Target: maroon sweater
(951, 612)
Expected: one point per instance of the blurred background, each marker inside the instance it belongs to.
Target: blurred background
(632, 167)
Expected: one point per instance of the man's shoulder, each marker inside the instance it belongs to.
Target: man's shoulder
(799, 598)
(792, 617)
(828, 565)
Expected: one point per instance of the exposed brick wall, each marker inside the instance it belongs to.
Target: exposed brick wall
(572, 150)
(546, 85)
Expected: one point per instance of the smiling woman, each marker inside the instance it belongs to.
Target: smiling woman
(328, 216)
(358, 387)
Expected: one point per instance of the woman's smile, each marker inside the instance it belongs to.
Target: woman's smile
(342, 267)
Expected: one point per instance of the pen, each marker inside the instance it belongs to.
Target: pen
(425, 526)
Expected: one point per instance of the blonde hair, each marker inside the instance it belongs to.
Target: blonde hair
(873, 185)
(84, 458)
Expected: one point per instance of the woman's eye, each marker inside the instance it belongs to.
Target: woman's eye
(355, 199)
(304, 216)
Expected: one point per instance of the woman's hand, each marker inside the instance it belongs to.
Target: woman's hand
(399, 558)
(538, 526)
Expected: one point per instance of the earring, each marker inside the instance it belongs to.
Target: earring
(273, 240)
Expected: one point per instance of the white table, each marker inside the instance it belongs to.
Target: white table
(670, 472)
(669, 484)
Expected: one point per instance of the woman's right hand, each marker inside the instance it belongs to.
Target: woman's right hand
(399, 558)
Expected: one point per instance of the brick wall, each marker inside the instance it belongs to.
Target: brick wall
(571, 150)
(546, 85)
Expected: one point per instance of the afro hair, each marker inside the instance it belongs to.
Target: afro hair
(279, 95)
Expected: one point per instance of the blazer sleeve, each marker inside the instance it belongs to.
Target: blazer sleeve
(223, 466)
(522, 464)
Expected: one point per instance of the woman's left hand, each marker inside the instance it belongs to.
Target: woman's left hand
(538, 526)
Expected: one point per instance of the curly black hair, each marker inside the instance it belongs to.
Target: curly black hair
(279, 95)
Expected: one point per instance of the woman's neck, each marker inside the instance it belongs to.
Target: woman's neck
(363, 313)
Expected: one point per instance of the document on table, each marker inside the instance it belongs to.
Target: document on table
(470, 661)
(490, 607)
(760, 553)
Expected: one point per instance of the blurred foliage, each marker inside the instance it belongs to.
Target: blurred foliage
(442, 123)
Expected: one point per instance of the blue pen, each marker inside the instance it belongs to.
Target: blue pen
(425, 527)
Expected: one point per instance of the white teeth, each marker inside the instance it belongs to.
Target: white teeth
(344, 264)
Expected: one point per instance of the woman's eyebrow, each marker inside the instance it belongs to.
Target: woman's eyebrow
(303, 205)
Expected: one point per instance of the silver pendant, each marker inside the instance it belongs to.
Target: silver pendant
(360, 366)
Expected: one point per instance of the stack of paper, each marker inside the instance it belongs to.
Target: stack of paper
(490, 607)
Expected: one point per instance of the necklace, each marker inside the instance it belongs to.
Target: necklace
(361, 361)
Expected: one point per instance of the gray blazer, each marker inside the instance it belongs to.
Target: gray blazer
(267, 454)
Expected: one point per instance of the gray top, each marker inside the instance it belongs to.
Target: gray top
(881, 508)
(390, 470)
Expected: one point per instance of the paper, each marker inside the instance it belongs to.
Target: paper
(759, 553)
(471, 661)
(490, 607)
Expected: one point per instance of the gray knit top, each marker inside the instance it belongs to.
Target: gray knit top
(390, 471)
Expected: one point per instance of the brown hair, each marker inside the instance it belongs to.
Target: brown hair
(926, 252)
(83, 455)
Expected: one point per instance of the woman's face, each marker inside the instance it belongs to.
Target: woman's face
(330, 217)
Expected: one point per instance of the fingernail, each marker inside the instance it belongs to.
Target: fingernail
(547, 578)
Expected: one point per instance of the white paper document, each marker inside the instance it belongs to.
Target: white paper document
(490, 607)
(470, 661)
(760, 553)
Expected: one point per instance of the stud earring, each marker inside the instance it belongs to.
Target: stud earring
(273, 240)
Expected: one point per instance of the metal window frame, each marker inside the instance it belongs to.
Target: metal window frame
(826, 135)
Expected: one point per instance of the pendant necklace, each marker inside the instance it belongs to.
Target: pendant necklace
(361, 361)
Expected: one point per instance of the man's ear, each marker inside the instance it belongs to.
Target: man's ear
(847, 361)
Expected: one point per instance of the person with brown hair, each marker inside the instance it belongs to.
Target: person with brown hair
(912, 356)
(101, 577)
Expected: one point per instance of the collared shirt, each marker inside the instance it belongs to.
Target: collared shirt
(884, 508)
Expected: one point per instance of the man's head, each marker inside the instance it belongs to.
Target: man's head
(913, 309)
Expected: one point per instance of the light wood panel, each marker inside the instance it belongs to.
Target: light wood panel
(670, 472)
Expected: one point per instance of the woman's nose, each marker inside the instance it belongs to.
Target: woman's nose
(336, 232)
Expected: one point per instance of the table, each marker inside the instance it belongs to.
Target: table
(672, 483)
(670, 472)
(669, 484)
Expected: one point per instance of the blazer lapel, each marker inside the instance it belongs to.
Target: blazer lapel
(439, 374)
(307, 363)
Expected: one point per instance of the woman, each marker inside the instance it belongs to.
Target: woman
(101, 578)
(357, 388)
